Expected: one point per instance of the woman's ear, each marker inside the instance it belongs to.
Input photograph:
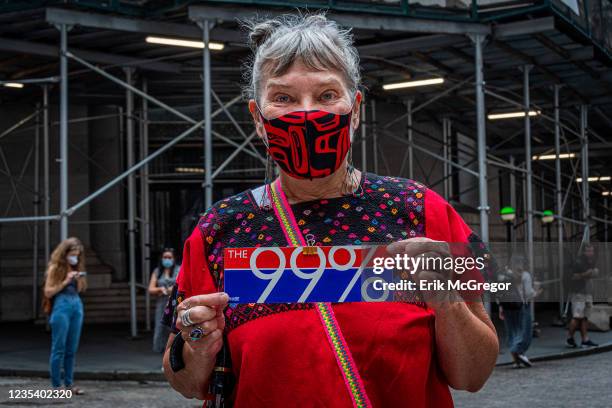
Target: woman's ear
(259, 126)
(355, 117)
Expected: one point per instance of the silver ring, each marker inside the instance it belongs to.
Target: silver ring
(185, 318)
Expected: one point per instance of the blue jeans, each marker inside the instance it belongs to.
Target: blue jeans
(65, 321)
(519, 327)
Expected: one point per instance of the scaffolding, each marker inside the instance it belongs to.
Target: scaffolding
(473, 26)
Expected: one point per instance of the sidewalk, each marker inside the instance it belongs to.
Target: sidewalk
(551, 345)
(107, 353)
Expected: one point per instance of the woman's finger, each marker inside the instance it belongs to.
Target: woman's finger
(208, 344)
(221, 322)
(219, 299)
(396, 247)
(209, 326)
(197, 315)
(417, 246)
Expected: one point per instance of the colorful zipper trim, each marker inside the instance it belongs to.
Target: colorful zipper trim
(345, 361)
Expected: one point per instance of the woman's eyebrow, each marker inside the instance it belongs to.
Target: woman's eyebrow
(272, 83)
(329, 81)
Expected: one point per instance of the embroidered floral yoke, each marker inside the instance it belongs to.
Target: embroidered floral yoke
(280, 352)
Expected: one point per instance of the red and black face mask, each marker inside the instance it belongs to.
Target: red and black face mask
(308, 144)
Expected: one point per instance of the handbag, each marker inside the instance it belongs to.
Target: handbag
(47, 305)
(344, 358)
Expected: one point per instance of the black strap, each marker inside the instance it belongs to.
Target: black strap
(176, 353)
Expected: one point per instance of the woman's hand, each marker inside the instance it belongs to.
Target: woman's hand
(427, 248)
(70, 276)
(206, 312)
(466, 341)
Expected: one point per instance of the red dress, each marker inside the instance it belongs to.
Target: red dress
(280, 353)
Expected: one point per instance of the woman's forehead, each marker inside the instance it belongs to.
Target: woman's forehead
(300, 77)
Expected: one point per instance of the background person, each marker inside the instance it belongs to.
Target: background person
(161, 283)
(305, 102)
(515, 311)
(64, 280)
(581, 286)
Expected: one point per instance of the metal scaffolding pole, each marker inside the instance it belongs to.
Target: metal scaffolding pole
(512, 204)
(110, 184)
(584, 155)
(364, 144)
(529, 173)
(432, 154)
(483, 206)
(36, 213)
(208, 180)
(606, 243)
(159, 103)
(131, 204)
(410, 140)
(46, 198)
(446, 153)
(606, 225)
(138, 165)
(374, 134)
(559, 197)
(63, 148)
(145, 232)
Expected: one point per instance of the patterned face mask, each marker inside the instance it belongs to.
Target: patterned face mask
(309, 144)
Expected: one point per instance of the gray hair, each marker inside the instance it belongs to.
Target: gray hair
(312, 39)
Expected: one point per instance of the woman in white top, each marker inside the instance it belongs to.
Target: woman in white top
(515, 311)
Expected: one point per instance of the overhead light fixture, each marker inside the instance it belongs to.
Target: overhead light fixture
(13, 85)
(606, 193)
(184, 43)
(594, 178)
(189, 170)
(412, 84)
(554, 156)
(511, 115)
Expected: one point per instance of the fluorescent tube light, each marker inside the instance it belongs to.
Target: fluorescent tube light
(510, 115)
(554, 156)
(594, 178)
(412, 84)
(183, 43)
(189, 170)
(13, 85)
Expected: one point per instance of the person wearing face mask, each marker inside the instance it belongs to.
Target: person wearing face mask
(305, 104)
(64, 280)
(161, 283)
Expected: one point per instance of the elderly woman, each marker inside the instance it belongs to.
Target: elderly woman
(305, 99)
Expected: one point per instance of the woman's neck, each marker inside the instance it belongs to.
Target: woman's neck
(335, 185)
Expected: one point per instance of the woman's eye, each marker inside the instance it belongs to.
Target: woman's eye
(281, 98)
(328, 96)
